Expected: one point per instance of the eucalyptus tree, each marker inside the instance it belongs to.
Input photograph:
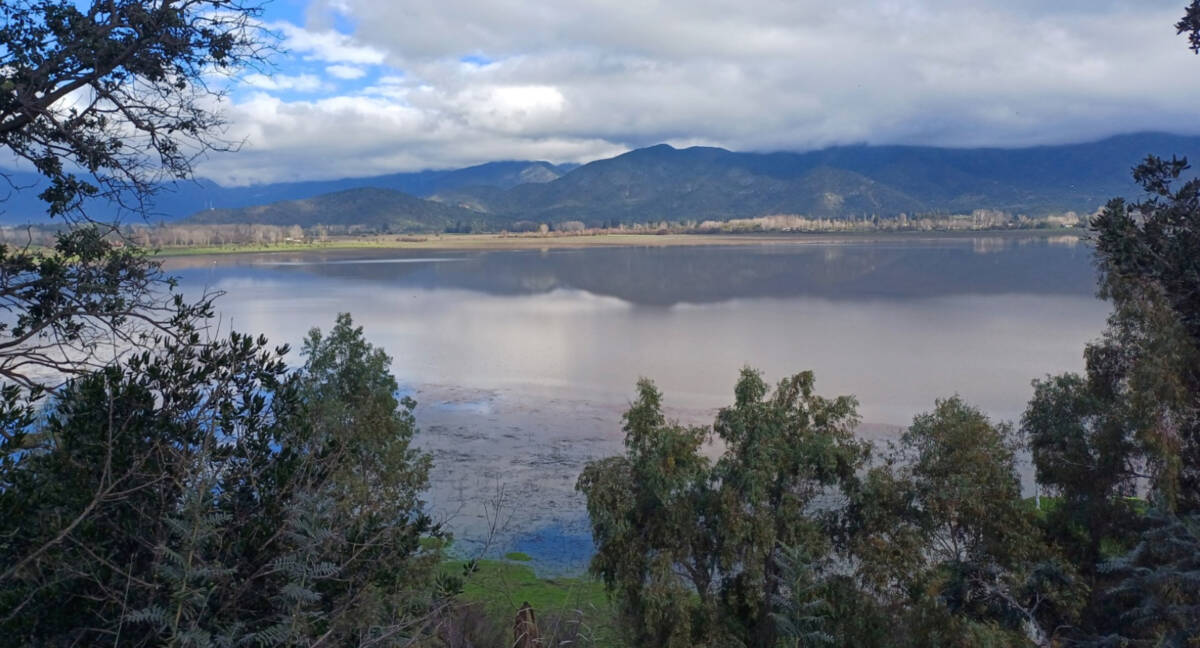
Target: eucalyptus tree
(941, 534)
(789, 453)
(691, 549)
(1131, 426)
(1147, 256)
(654, 524)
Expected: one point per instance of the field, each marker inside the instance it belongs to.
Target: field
(574, 609)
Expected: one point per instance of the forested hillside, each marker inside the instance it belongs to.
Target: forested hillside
(844, 182)
(700, 184)
(180, 199)
(383, 210)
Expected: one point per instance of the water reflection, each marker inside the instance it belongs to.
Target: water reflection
(667, 276)
(522, 361)
(896, 322)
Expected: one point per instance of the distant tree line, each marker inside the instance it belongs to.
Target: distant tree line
(978, 220)
(185, 234)
(152, 237)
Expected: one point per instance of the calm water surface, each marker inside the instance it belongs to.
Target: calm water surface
(523, 360)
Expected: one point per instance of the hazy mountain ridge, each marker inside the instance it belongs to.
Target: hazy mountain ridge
(184, 199)
(692, 184)
(701, 183)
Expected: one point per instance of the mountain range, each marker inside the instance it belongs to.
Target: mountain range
(697, 184)
(184, 199)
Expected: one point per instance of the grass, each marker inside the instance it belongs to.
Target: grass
(502, 586)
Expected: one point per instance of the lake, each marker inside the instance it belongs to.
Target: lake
(523, 360)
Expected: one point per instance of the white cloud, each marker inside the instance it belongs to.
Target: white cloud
(299, 82)
(358, 136)
(328, 45)
(570, 80)
(348, 72)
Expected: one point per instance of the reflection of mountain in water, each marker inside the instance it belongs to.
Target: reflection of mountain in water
(667, 276)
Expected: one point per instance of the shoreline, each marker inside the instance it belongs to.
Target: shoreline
(488, 242)
(505, 466)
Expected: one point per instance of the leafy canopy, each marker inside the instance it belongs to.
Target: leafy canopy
(692, 549)
(206, 495)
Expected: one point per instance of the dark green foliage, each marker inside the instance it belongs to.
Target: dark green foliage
(1147, 255)
(126, 447)
(1158, 592)
(1084, 451)
(1131, 425)
(205, 495)
(176, 490)
(786, 452)
(652, 550)
(690, 549)
(135, 69)
(802, 614)
(941, 529)
(784, 541)
(855, 617)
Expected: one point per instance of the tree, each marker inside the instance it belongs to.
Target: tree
(103, 101)
(66, 304)
(786, 452)
(1128, 430)
(1131, 425)
(1137, 412)
(802, 613)
(1146, 252)
(176, 490)
(691, 549)
(652, 521)
(1158, 593)
(1190, 25)
(106, 100)
(1083, 445)
(220, 500)
(941, 530)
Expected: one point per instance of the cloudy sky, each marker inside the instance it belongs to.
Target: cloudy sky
(375, 86)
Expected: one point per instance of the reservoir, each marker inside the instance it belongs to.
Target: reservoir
(522, 361)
